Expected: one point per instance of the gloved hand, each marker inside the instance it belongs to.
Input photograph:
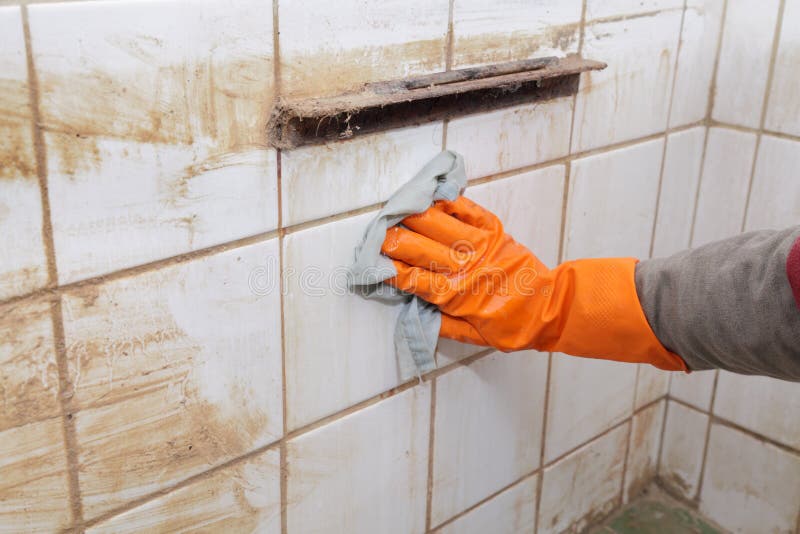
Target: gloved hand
(493, 291)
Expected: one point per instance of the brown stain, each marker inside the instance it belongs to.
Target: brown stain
(509, 46)
(16, 151)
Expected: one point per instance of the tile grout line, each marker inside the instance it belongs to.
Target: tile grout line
(661, 435)
(776, 37)
(56, 317)
(707, 438)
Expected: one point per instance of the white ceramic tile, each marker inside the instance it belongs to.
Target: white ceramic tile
(783, 112)
(509, 30)
(319, 181)
(724, 184)
(33, 479)
(652, 384)
(612, 8)
(349, 42)
(22, 267)
(682, 450)
(366, 472)
(775, 196)
(174, 371)
(143, 202)
(339, 346)
(529, 205)
(587, 396)
(694, 388)
(761, 494)
(583, 486)
(512, 138)
(488, 428)
(630, 98)
(511, 512)
(764, 405)
(242, 498)
(678, 191)
(743, 60)
(699, 39)
(28, 371)
(643, 450)
(612, 202)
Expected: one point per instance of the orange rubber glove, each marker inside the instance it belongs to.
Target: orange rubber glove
(493, 291)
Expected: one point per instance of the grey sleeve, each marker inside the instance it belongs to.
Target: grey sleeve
(727, 305)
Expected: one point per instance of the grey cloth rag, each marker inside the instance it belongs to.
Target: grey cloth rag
(417, 328)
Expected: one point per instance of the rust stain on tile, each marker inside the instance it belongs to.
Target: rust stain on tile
(499, 47)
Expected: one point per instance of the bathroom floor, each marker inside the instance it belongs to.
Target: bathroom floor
(657, 513)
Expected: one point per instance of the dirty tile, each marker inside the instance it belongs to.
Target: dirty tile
(509, 30)
(682, 450)
(23, 267)
(366, 472)
(339, 346)
(33, 478)
(511, 512)
(744, 59)
(587, 397)
(611, 202)
(775, 196)
(783, 111)
(242, 498)
(188, 357)
(699, 39)
(530, 206)
(349, 42)
(678, 191)
(761, 494)
(319, 181)
(723, 185)
(630, 98)
(764, 405)
(512, 138)
(584, 486)
(643, 450)
(613, 8)
(653, 383)
(28, 371)
(155, 114)
(488, 429)
(695, 388)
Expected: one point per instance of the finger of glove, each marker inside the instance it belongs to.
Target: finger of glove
(420, 251)
(471, 213)
(460, 330)
(428, 285)
(446, 229)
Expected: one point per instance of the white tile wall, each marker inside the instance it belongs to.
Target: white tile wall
(750, 486)
(349, 42)
(189, 357)
(366, 472)
(509, 30)
(488, 429)
(23, 267)
(678, 191)
(783, 111)
(583, 486)
(319, 181)
(724, 184)
(682, 449)
(512, 138)
(643, 449)
(241, 498)
(775, 197)
(764, 405)
(614, 8)
(611, 202)
(335, 356)
(699, 42)
(651, 384)
(630, 98)
(744, 62)
(511, 512)
(695, 388)
(586, 397)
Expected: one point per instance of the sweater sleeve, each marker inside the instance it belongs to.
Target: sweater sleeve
(732, 304)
